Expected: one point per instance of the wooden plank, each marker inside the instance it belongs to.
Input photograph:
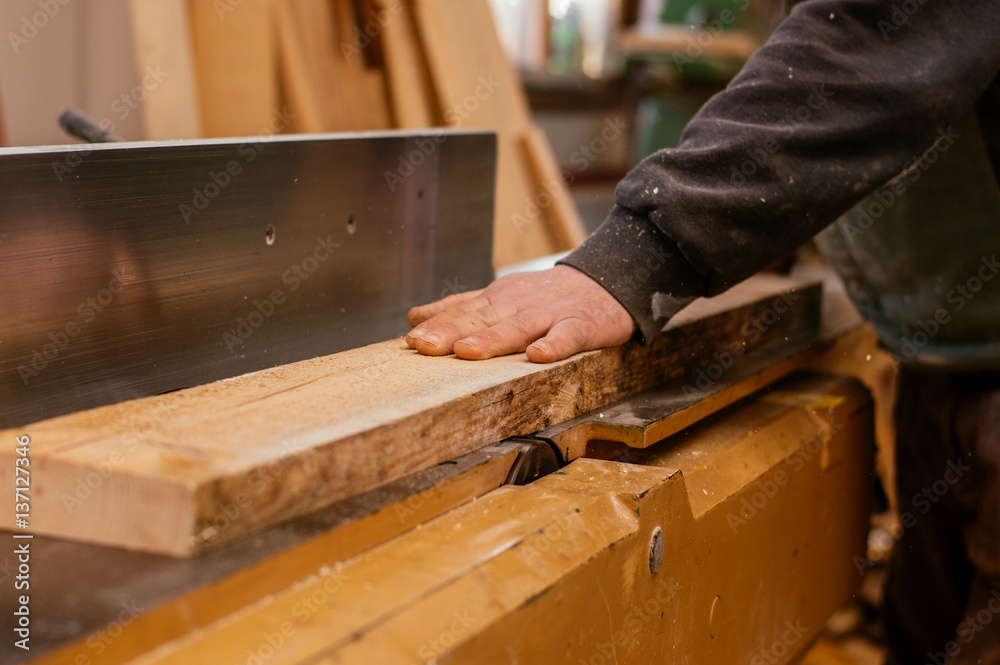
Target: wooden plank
(464, 53)
(359, 524)
(361, 86)
(235, 59)
(412, 96)
(165, 67)
(333, 427)
(305, 37)
(477, 86)
(492, 581)
(326, 83)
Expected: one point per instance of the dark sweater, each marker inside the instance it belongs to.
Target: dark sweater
(844, 96)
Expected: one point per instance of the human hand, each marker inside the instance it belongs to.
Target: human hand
(550, 314)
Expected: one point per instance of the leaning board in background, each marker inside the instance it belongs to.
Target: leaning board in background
(477, 86)
(161, 34)
(235, 54)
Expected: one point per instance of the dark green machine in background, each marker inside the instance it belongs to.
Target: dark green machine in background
(692, 64)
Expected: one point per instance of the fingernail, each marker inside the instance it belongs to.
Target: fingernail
(416, 333)
(433, 339)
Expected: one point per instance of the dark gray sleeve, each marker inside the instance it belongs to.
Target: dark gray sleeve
(844, 96)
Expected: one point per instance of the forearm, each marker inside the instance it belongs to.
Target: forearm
(843, 97)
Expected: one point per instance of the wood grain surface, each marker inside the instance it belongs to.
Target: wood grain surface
(164, 61)
(236, 63)
(155, 474)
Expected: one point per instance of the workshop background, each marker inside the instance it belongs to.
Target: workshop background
(578, 91)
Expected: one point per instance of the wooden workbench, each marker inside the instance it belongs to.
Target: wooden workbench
(555, 571)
